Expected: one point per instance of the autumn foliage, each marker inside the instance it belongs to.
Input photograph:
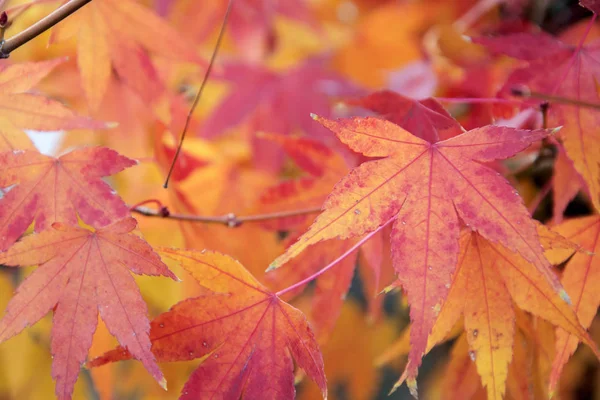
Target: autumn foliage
(279, 199)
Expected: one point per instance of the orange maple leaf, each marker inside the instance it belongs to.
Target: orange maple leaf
(581, 279)
(46, 190)
(487, 280)
(83, 273)
(32, 111)
(427, 186)
(488, 271)
(116, 34)
(246, 335)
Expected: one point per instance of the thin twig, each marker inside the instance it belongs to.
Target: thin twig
(521, 92)
(40, 27)
(230, 220)
(477, 100)
(200, 90)
(334, 262)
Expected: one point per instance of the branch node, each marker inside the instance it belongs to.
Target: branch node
(232, 220)
(520, 91)
(3, 54)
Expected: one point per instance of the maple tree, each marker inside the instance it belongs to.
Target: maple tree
(348, 198)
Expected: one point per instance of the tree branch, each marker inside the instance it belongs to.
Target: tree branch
(526, 93)
(230, 220)
(62, 12)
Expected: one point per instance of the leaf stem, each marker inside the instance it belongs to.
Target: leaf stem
(200, 91)
(230, 220)
(334, 262)
(18, 40)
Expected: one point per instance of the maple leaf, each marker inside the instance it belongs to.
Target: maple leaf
(425, 118)
(221, 171)
(46, 190)
(273, 109)
(83, 273)
(32, 111)
(115, 33)
(487, 280)
(426, 187)
(325, 168)
(251, 22)
(460, 378)
(566, 183)
(559, 69)
(580, 279)
(246, 335)
(331, 287)
(352, 372)
(12, 138)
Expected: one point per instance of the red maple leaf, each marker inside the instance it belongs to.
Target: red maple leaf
(272, 109)
(425, 118)
(247, 336)
(46, 190)
(251, 22)
(426, 186)
(559, 69)
(82, 273)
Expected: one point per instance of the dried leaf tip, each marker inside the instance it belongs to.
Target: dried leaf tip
(394, 388)
(563, 295)
(274, 265)
(314, 116)
(412, 387)
(163, 383)
(410, 382)
(554, 131)
(389, 288)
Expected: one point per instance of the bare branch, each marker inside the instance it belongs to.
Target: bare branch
(62, 12)
(230, 220)
(200, 91)
(526, 93)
